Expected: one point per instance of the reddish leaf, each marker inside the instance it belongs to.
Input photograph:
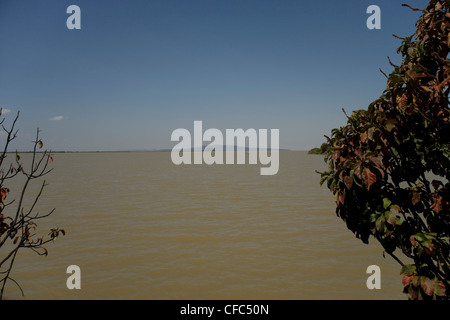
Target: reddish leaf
(381, 171)
(413, 294)
(378, 161)
(427, 286)
(348, 182)
(436, 184)
(369, 178)
(437, 205)
(336, 155)
(341, 198)
(415, 198)
(406, 280)
(364, 137)
(357, 170)
(341, 175)
(3, 192)
(429, 248)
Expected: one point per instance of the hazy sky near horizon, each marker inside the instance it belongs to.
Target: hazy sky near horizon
(137, 70)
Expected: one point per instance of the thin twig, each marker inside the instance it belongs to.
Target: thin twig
(413, 9)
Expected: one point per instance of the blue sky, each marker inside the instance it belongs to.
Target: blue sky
(137, 70)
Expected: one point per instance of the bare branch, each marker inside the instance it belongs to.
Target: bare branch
(384, 74)
(390, 62)
(413, 9)
(21, 229)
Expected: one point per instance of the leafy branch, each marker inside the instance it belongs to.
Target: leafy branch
(389, 167)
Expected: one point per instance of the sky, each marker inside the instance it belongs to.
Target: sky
(139, 69)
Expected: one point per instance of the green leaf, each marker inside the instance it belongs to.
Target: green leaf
(40, 144)
(379, 224)
(408, 269)
(392, 217)
(399, 221)
(323, 178)
(419, 250)
(420, 237)
(386, 203)
(439, 289)
(390, 124)
(370, 133)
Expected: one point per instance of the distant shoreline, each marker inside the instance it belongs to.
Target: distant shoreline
(126, 151)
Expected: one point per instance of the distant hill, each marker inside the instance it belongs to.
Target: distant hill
(224, 148)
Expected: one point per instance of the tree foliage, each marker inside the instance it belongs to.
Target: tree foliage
(389, 166)
(18, 228)
(322, 150)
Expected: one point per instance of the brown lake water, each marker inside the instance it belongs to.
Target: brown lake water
(140, 227)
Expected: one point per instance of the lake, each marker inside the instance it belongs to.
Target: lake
(140, 227)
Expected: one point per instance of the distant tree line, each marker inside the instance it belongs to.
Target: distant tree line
(322, 150)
